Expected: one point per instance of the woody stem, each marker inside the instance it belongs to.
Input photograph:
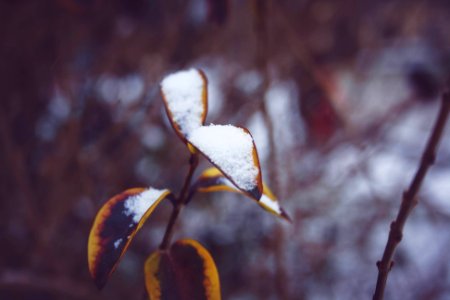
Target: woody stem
(179, 203)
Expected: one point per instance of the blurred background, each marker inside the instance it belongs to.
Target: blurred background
(340, 97)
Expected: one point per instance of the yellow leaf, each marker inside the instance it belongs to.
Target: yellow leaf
(152, 282)
(213, 180)
(115, 225)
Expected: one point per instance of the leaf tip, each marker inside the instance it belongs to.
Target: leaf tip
(100, 282)
(285, 216)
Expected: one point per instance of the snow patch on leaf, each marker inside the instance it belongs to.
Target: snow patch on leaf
(117, 243)
(265, 201)
(137, 205)
(183, 94)
(270, 204)
(231, 149)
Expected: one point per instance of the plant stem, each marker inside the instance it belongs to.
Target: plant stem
(193, 162)
(180, 201)
(410, 198)
(170, 226)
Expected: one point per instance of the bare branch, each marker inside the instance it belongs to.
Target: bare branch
(410, 198)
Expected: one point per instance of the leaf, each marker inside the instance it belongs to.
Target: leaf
(184, 272)
(212, 180)
(229, 148)
(185, 96)
(115, 225)
(232, 150)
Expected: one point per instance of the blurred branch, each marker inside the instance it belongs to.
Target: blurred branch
(261, 16)
(304, 57)
(410, 198)
(16, 158)
(25, 280)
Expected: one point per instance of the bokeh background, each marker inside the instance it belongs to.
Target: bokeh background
(339, 95)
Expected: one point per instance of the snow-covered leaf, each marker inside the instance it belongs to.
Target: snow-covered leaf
(185, 96)
(212, 180)
(233, 151)
(186, 271)
(115, 225)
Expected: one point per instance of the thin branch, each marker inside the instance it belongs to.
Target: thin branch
(193, 163)
(170, 226)
(410, 198)
(179, 202)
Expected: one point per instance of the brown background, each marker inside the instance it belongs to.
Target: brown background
(351, 91)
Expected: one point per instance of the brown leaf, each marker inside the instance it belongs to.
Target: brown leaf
(184, 272)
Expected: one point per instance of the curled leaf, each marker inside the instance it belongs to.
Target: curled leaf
(185, 96)
(229, 148)
(212, 180)
(186, 271)
(115, 225)
(232, 150)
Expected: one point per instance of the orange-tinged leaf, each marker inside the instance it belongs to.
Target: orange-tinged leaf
(184, 272)
(232, 150)
(115, 225)
(185, 96)
(213, 180)
(152, 282)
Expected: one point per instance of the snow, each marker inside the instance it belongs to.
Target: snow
(281, 104)
(270, 204)
(216, 79)
(137, 205)
(59, 105)
(117, 243)
(152, 136)
(231, 149)
(128, 90)
(249, 81)
(258, 127)
(183, 94)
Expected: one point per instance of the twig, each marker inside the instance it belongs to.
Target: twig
(410, 199)
(179, 202)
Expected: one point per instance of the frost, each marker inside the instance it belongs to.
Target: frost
(183, 94)
(231, 149)
(117, 243)
(137, 205)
